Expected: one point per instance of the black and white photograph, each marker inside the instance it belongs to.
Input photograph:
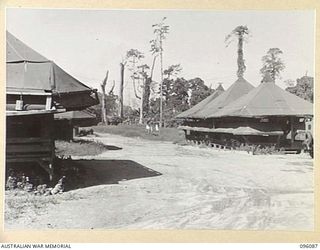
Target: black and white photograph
(159, 119)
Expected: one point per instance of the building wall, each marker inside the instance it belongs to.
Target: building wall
(29, 138)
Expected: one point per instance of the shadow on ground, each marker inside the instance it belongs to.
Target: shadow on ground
(111, 147)
(86, 173)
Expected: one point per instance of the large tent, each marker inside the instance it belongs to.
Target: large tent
(267, 99)
(36, 89)
(214, 102)
(265, 115)
(30, 72)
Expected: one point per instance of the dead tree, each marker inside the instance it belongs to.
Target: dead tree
(104, 106)
(122, 64)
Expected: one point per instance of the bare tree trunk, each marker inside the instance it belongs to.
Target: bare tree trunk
(121, 90)
(104, 108)
(161, 97)
(147, 85)
(135, 90)
(141, 103)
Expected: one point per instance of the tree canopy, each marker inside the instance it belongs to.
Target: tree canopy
(303, 88)
(272, 63)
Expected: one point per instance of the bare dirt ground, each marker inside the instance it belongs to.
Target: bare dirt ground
(160, 185)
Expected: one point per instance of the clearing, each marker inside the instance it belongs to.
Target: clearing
(160, 185)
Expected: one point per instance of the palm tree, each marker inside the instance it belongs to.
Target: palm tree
(240, 32)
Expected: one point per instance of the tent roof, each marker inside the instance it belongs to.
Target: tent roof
(267, 99)
(27, 70)
(17, 51)
(212, 104)
(196, 108)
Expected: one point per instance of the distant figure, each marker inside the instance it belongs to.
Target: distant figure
(148, 128)
(151, 128)
(157, 130)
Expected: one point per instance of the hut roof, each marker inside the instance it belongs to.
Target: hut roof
(267, 99)
(212, 104)
(29, 71)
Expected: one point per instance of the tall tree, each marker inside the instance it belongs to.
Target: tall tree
(178, 96)
(160, 30)
(199, 90)
(172, 70)
(122, 65)
(143, 75)
(149, 78)
(104, 108)
(134, 56)
(240, 32)
(272, 63)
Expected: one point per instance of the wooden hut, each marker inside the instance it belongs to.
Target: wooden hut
(36, 89)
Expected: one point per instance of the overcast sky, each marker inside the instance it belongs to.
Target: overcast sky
(86, 43)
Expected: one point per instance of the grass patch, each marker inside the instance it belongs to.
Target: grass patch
(166, 134)
(79, 148)
(19, 203)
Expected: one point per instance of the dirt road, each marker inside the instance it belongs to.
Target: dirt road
(166, 186)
